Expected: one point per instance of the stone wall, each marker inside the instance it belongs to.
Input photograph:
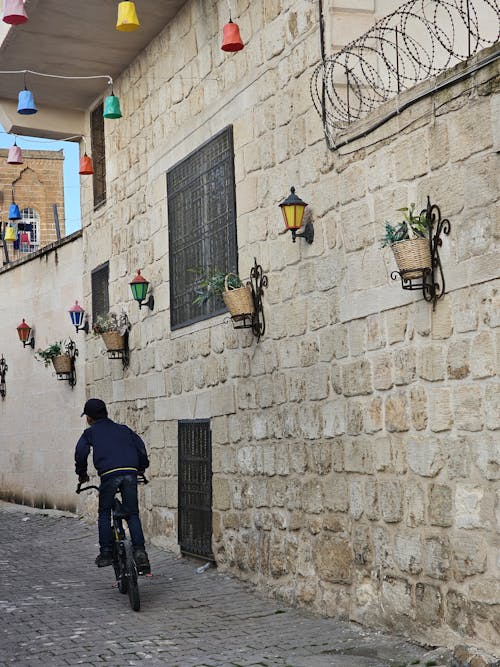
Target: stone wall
(40, 416)
(355, 447)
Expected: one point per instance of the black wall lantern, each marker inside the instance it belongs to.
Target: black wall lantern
(293, 213)
(77, 315)
(24, 333)
(139, 287)
(3, 371)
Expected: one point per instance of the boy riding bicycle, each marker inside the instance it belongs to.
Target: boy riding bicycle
(119, 455)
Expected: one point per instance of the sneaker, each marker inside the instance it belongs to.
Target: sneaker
(104, 559)
(142, 561)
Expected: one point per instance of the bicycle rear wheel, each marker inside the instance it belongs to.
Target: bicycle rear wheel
(131, 576)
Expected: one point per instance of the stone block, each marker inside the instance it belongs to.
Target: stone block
(371, 499)
(408, 552)
(436, 557)
(312, 496)
(397, 600)
(316, 384)
(221, 493)
(474, 238)
(396, 412)
(404, 365)
(468, 408)
(335, 493)
(382, 371)
(391, 501)
(418, 407)
(373, 417)
(469, 556)
(482, 356)
(333, 559)
(440, 505)
(412, 156)
(357, 226)
(415, 504)
(468, 500)
(375, 332)
(396, 321)
(441, 418)
(356, 378)
(425, 457)
(357, 337)
(458, 359)
(469, 133)
(465, 318)
(358, 455)
(431, 362)
(333, 418)
(486, 455)
(492, 406)
(459, 613)
(354, 420)
(356, 499)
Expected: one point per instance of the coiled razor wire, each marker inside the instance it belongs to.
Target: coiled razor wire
(416, 42)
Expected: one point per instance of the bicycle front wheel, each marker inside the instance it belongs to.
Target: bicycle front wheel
(132, 585)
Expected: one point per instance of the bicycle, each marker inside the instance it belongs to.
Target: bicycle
(126, 571)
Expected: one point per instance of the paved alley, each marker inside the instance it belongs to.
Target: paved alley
(58, 609)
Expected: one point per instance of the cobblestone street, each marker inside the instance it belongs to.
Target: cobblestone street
(58, 609)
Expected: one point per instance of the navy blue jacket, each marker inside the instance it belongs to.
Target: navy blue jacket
(117, 450)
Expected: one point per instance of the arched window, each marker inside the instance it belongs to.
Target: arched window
(31, 219)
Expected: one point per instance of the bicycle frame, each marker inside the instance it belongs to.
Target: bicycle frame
(123, 560)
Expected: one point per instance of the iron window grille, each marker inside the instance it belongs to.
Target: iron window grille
(98, 154)
(202, 225)
(100, 291)
(31, 222)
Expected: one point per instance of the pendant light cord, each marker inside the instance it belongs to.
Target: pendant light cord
(57, 76)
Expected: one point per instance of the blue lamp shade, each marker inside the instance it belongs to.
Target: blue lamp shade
(112, 107)
(76, 313)
(14, 212)
(26, 103)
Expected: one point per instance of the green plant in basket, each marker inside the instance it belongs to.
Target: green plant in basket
(111, 322)
(53, 350)
(412, 226)
(213, 283)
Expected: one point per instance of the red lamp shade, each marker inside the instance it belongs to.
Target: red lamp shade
(23, 331)
(76, 313)
(86, 167)
(15, 155)
(14, 12)
(231, 38)
(293, 210)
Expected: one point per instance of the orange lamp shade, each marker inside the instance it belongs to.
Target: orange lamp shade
(86, 167)
(293, 210)
(231, 38)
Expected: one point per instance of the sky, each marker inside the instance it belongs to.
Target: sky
(70, 171)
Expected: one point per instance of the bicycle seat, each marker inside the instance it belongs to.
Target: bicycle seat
(118, 510)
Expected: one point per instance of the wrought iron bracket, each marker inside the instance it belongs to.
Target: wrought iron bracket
(3, 371)
(123, 354)
(70, 377)
(256, 321)
(307, 234)
(431, 280)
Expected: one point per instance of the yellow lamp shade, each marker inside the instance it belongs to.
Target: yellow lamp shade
(127, 17)
(293, 210)
(10, 233)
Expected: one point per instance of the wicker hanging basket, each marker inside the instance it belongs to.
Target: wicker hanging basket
(113, 340)
(62, 363)
(412, 257)
(239, 301)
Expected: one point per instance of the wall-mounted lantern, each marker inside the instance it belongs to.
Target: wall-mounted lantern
(24, 333)
(77, 315)
(139, 287)
(3, 371)
(293, 213)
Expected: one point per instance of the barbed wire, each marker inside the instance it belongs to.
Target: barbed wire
(419, 40)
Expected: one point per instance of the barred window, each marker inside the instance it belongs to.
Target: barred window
(202, 225)
(98, 154)
(100, 291)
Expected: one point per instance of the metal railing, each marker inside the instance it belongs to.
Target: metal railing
(419, 40)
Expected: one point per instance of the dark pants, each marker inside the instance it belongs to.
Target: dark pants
(127, 485)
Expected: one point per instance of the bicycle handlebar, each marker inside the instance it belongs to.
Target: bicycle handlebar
(141, 479)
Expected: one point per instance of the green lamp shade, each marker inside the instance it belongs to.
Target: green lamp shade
(112, 107)
(139, 287)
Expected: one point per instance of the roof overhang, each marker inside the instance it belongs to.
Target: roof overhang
(70, 39)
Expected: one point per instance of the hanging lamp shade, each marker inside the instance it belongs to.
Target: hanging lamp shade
(15, 155)
(26, 103)
(14, 12)
(112, 107)
(24, 241)
(10, 233)
(86, 167)
(231, 38)
(127, 17)
(14, 212)
(76, 313)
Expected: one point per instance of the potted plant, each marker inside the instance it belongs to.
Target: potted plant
(410, 243)
(58, 354)
(112, 329)
(236, 295)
